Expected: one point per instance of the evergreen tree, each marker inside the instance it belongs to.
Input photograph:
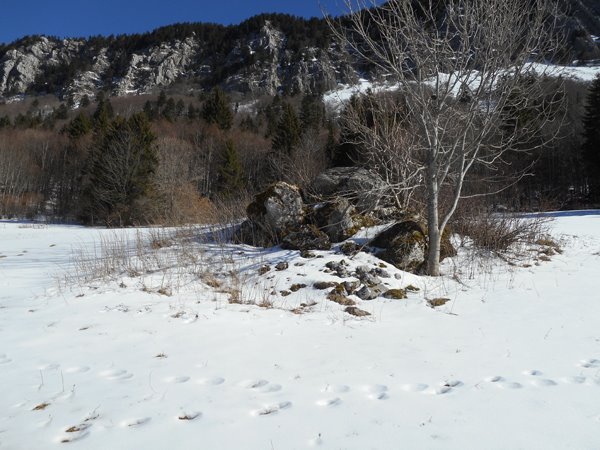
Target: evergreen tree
(273, 113)
(231, 171)
(591, 136)
(79, 126)
(179, 108)
(312, 112)
(103, 114)
(62, 113)
(85, 102)
(331, 144)
(168, 111)
(120, 173)
(162, 100)
(5, 121)
(217, 110)
(192, 112)
(288, 133)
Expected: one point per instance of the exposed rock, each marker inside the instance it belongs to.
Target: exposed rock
(282, 266)
(369, 293)
(351, 286)
(306, 238)
(336, 219)
(404, 245)
(365, 275)
(297, 287)
(365, 190)
(264, 269)
(322, 285)
(339, 268)
(340, 299)
(353, 310)
(435, 302)
(395, 294)
(350, 248)
(272, 215)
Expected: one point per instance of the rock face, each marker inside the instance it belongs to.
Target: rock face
(260, 63)
(363, 189)
(272, 215)
(307, 237)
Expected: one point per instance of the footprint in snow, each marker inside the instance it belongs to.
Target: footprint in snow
(188, 416)
(116, 374)
(509, 384)
(51, 366)
(590, 363)
(494, 379)
(271, 409)
(543, 382)
(329, 402)
(376, 391)
(253, 384)
(336, 388)
(415, 387)
(4, 359)
(77, 369)
(215, 381)
(135, 422)
(75, 433)
(574, 380)
(533, 373)
(177, 380)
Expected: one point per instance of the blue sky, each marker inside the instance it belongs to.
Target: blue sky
(66, 18)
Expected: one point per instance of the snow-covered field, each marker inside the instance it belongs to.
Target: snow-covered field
(512, 361)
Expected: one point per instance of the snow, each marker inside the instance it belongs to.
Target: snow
(513, 361)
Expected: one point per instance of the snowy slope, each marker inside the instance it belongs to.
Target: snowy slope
(513, 361)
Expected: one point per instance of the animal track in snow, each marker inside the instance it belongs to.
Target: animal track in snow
(336, 388)
(533, 373)
(75, 433)
(253, 384)
(51, 366)
(215, 381)
(590, 363)
(189, 415)
(452, 383)
(135, 422)
(494, 379)
(77, 369)
(574, 380)
(415, 387)
(329, 401)
(116, 374)
(271, 409)
(509, 384)
(4, 359)
(376, 391)
(177, 380)
(543, 382)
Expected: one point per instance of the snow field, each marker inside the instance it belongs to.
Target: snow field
(513, 361)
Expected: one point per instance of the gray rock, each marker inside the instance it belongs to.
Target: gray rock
(365, 190)
(367, 293)
(336, 218)
(306, 238)
(272, 215)
(403, 244)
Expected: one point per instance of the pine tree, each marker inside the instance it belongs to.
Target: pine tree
(231, 171)
(591, 137)
(288, 132)
(312, 112)
(79, 126)
(217, 110)
(120, 173)
(192, 112)
(103, 114)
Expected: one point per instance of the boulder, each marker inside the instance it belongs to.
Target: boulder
(337, 219)
(403, 245)
(365, 190)
(272, 215)
(306, 238)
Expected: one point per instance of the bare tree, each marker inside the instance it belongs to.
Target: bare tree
(459, 66)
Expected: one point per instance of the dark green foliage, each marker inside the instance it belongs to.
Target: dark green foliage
(79, 126)
(288, 133)
(168, 110)
(273, 114)
(312, 112)
(192, 112)
(591, 137)
(331, 144)
(104, 112)
(120, 175)
(231, 171)
(62, 112)
(5, 122)
(217, 110)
